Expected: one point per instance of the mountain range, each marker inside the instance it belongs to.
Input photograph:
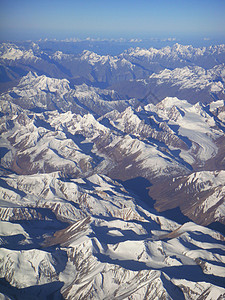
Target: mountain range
(112, 173)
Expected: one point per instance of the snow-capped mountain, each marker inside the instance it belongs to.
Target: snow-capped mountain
(36, 142)
(172, 136)
(45, 93)
(157, 141)
(112, 246)
(178, 125)
(194, 124)
(76, 128)
(112, 61)
(11, 52)
(35, 146)
(109, 69)
(104, 70)
(179, 55)
(193, 77)
(192, 83)
(217, 108)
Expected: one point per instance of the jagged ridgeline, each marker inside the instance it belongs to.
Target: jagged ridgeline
(82, 137)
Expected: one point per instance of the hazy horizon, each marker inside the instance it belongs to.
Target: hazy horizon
(28, 20)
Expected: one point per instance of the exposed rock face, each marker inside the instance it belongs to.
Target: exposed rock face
(200, 196)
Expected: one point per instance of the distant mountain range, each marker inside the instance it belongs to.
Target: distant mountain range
(82, 136)
(178, 64)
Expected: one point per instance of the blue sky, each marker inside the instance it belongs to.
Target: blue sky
(33, 19)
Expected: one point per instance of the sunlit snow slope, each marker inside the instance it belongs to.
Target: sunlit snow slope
(110, 248)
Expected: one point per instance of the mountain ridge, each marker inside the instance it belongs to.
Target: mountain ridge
(112, 173)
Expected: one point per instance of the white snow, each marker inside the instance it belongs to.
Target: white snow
(27, 267)
(194, 123)
(192, 77)
(216, 104)
(8, 228)
(32, 84)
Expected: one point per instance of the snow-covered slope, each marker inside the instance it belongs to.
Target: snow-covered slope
(113, 61)
(174, 124)
(160, 140)
(113, 247)
(12, 52)
(44, 93)
(124, 155)
(193, 78)
(165, 140)
(77, 145)
(92, 68)
(217, 108)
(193, 123)
(192, 83)
(177, 54)
(33, 146)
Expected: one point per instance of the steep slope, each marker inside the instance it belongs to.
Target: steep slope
(45, 93)
(33, 146)
(189, 133)
(77, 145)
(217, 108)
(17, 61)
(108, 69)
(169, 138)
(92, 68)
(200, 196)
(87, 67)
(192, 122)
(160, 141)
(192, 83)
(113, 247)
(12, 52)
(175, 56)
(124, 155)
